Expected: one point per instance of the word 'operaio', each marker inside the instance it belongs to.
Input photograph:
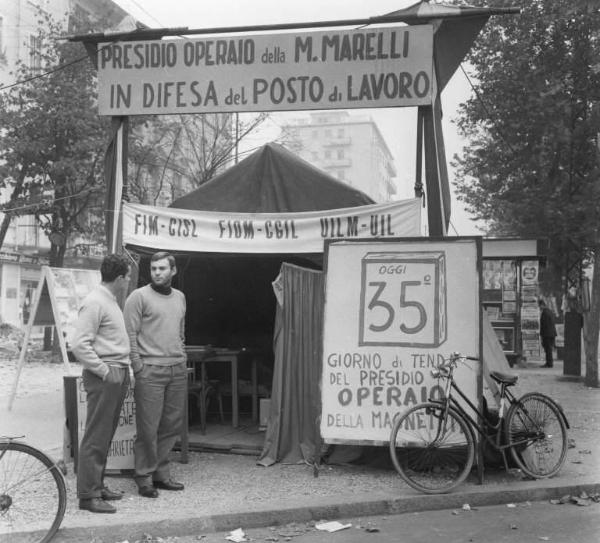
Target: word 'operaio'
(388, 396)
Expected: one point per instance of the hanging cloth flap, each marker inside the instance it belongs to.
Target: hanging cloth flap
(293, 428)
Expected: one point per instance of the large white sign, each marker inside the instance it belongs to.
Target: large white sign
(393, 310)
(222, 232)
(362, 68)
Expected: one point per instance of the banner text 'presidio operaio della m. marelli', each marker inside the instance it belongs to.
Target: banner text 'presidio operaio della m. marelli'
(363, 68)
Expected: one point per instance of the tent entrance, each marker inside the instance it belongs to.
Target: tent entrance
(230, 305)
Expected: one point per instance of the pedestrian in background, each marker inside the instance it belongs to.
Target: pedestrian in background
(547, 332)
(101, 345)
(155, 320)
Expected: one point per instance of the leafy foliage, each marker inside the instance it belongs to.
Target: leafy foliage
(53, 141)
(53, 144)
(532, 164)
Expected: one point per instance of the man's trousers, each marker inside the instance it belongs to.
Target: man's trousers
(548, 345)
(104, 402)
(160, 401)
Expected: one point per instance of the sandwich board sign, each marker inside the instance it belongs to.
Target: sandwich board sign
(120, 452)
(58, 296)
(393, 310)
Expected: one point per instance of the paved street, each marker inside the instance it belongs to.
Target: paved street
(224, 492)
(514, 523)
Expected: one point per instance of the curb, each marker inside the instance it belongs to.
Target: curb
(189, 526)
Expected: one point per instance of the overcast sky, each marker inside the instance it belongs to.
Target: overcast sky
(398, 125)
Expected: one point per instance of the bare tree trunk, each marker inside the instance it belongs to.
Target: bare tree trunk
(8, 216)
(592, 327)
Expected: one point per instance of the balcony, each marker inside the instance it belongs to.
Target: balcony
(336, 162)
(334, 142)
(389, 168)
(391, 186)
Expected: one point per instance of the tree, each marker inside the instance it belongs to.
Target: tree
(174, 154)
(53, 141)
(532, 164)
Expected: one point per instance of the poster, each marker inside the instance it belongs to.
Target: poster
(530, 313)
(499, 274)
(509, 308)
(529, 272)
(393, 311)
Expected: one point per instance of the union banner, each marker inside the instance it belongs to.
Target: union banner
(223, 232)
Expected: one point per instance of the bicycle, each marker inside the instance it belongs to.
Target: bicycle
(33, 494)
(432, 445)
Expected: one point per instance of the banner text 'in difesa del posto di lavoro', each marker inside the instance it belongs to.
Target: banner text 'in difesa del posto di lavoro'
(366, 68)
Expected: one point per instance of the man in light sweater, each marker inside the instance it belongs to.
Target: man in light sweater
(155, 321)
(101, 344)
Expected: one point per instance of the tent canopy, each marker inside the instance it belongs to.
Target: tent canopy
(272, 180)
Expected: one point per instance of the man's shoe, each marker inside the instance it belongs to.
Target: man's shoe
(96, 505)
(148, 491)
(169, 484)
(108, 494)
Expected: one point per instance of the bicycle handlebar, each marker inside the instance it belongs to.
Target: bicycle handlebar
(447, 364)
(459, 356)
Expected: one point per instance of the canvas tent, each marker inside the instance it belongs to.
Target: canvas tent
(239, 309)
(230, 297)
(229, 289)
(272, 180)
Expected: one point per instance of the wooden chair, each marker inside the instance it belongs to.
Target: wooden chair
(211, 390)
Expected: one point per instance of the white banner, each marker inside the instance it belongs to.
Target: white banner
(222, 232)
(362, 68)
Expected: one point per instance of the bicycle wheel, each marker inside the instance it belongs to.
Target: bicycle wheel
(431, 453)
(33, 495)
(536, 431)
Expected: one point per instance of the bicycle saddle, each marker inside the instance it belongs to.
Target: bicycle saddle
(504, 378)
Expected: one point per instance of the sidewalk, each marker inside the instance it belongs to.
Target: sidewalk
(224, 492)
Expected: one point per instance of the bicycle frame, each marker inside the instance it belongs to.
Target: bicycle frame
(506, 396)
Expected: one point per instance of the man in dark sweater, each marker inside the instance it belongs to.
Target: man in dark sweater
(155, 321)
(547, 332)
(101, 344)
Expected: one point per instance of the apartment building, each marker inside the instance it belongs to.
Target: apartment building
(348, 147)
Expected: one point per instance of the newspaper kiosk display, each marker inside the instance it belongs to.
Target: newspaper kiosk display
(393, 309)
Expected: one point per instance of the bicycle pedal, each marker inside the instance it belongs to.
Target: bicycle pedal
(515, 472)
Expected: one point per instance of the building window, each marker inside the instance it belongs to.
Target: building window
(340, 175)
(328, 133)
(35, 53)
(340, 153)
(315, 134)
(327, 153)
(314, 155)
(340, 132)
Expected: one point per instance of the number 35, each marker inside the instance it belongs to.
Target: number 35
(376, 301)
